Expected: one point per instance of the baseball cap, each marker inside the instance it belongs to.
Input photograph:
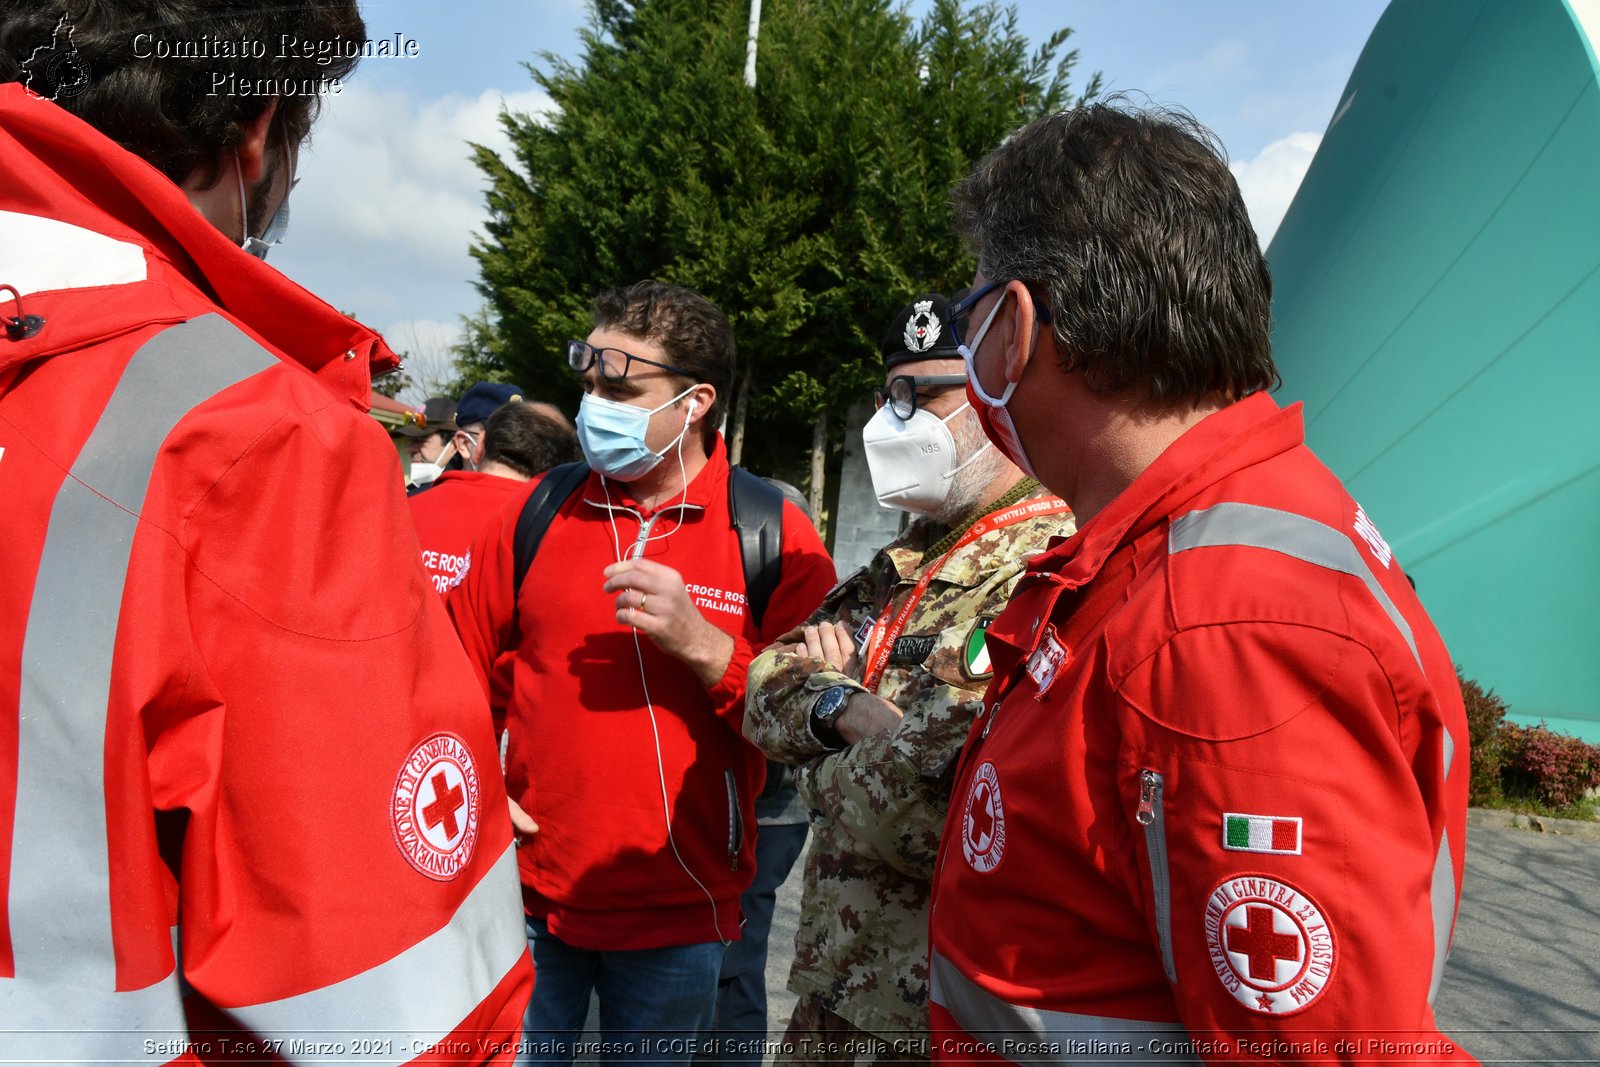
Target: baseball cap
(481, 401)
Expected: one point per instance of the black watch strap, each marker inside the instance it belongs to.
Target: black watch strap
(821, 726)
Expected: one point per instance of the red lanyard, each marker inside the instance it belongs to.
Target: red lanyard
(885, 633)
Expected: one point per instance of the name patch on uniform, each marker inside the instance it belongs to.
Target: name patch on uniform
(1278, 835)
(983, 823)
(912, 650)
(434, 810)
(1047, 660)
(1270, 945)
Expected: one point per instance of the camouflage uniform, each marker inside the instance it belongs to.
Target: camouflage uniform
(878, 806)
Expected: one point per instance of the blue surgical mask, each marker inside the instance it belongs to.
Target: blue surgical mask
(277, 226)
(612, 435)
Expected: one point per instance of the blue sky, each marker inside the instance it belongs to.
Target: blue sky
(388, 201)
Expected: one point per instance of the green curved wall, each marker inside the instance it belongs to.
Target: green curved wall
(1437, 308)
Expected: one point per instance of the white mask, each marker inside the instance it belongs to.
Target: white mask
(912, 462)
(425, 473)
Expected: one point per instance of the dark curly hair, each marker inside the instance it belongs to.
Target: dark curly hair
(1131, 222)
(164, 78)
(691, 329)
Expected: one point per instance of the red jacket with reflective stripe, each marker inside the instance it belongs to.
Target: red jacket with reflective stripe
(582, 755)
(1219, 783)
(234, 722)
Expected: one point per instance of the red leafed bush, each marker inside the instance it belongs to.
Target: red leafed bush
(1556, 768)
(1486, 715)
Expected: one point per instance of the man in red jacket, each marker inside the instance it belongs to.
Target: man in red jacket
(249, 803)
(1214, 803)
(633, 633)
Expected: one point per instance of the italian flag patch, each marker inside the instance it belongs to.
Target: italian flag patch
(1274, 834)
(975, 659)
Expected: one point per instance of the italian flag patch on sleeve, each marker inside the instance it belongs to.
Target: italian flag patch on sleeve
(1274, 834)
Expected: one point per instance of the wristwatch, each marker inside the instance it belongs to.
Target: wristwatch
(825, 712)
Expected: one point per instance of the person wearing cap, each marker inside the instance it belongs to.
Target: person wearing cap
(427, 443)
(873, 696)
(516, 443)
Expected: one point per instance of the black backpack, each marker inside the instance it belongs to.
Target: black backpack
(755, 508)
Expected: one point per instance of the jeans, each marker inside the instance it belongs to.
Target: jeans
(654, 1002)
(742, 1027)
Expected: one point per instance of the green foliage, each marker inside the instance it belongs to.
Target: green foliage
(810, 208)
(1526, 767)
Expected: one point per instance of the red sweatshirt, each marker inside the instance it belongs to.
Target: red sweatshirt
(243, 769)
(583, 750)
(448, 515)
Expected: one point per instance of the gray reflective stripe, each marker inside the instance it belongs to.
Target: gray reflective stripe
(412, 1001)
(60, 893)
(1253, 526)
(983, 1015)
(1443, 901)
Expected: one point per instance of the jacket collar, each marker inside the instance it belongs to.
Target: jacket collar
(1240, 435)
(63, 171)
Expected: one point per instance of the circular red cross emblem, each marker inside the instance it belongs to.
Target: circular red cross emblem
(435, 807)
(983, 825)
(1270, 944)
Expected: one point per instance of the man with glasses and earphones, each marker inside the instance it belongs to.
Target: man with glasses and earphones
(873, 696)
(633, 630)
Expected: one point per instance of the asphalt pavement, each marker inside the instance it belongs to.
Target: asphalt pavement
(1523, 982)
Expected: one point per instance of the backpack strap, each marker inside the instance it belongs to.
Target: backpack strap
(538, 511)
(756, 509)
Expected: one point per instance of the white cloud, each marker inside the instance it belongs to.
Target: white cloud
(387, 167)
(390, 200)
(1269, 181)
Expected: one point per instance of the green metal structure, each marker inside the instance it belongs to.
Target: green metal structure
(1437, 309)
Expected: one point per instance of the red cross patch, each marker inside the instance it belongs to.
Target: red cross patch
(983, 823)
(434, 810)
(1270, 944)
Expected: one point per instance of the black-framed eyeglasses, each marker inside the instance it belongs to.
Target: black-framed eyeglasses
(901, 396)
(961, 310)
(614, 362)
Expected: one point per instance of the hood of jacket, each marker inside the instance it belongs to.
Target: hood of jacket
(98, 243)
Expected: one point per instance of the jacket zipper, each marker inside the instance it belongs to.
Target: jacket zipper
(1150, 817)
(735, 821)
(645, 525)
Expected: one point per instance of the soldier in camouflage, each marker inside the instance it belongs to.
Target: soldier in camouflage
(873, 698)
